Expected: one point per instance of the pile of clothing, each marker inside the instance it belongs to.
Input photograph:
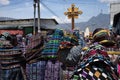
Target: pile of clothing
(11, 64)
(68, 40)
(11, 59)
(46, 69)
(5, 40)
(94, 62)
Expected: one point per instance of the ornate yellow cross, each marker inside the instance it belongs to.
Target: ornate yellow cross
(72, 13)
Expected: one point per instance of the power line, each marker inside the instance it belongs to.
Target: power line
(53, 12)
(75, 2)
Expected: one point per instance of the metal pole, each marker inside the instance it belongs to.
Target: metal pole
(38, 17)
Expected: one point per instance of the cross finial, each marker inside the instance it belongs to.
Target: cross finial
(72, 13)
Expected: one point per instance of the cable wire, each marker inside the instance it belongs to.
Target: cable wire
(53, 13)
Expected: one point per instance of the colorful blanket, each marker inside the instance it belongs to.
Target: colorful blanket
(95, 65)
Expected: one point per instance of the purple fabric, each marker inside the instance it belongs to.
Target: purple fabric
(52, 71)
(36, 71)
(43, 71)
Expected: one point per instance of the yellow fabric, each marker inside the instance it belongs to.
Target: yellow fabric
(105, 41)
(85, 48)
(100, 32)
(113, 52)
(97, 74)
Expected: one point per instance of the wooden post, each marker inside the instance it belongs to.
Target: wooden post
(73, 16)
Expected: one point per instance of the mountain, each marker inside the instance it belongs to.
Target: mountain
(99, 21)
(5, 18)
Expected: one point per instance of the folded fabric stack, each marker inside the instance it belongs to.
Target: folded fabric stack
(11, 61)
(52, 47)
(68, 41)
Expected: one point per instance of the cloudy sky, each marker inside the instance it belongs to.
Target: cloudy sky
(54, 8)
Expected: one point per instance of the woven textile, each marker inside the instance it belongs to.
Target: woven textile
(95, 65)
(52, 47)
(36, 71)
(10, 64)
(52, 71)
(96, 72)
(11, 74)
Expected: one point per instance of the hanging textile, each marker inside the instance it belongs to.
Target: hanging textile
(36, 71)
(52, 71)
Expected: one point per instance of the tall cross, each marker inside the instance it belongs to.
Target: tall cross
(73, 13)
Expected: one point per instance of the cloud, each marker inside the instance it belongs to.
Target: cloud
(27, 4)
(60, 20)
(18, 9)
(67, 20)
(4, 2)
(109, 1)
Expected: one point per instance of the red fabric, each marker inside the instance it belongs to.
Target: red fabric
(13, 32)
(92, 52)
(66, 43)
(119, 68)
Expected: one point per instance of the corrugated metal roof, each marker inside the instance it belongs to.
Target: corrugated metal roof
(44, 23)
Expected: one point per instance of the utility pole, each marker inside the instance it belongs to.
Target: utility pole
(38, 16)
(36, 3)
(72, 13)
(34, 27)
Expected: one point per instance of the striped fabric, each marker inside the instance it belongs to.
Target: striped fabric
(52, 47)
(10, 64)
(52, 71)
(11, 74)
(36, 71)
